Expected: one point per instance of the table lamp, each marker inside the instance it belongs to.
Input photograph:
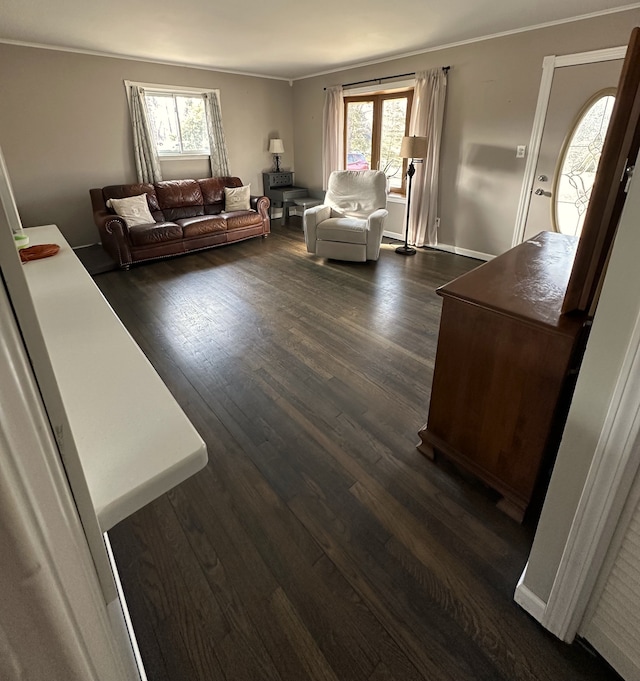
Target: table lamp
(414, 148)
(276, 148)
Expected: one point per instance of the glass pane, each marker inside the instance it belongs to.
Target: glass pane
(394, 116)
(579, 164)
(193, 125)
(164, 123)
(359, 135)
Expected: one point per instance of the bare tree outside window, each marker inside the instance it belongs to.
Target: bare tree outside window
(374, 127)
(179, 123)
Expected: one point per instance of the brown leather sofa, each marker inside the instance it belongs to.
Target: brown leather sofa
(189, 216)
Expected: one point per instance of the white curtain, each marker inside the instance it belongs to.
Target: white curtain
(333, 133)
(427, 118)
(217, 141)
(144, 145)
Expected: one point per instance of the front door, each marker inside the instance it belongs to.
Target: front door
(572, 88)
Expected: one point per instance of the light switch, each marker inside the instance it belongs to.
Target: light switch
(520, 150)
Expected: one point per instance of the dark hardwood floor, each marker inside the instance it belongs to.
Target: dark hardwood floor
(317, 543)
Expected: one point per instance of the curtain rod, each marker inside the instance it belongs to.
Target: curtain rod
(379, 80)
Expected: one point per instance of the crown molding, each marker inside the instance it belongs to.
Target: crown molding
(338, 69)
(126, 57)
(470, 41)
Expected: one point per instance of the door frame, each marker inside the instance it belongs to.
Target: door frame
(615, 465)
(549, 65)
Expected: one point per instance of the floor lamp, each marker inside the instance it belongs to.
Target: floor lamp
(414, 148)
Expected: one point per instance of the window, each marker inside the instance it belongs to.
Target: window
(374, 127)
(178, 122)
(578, 163)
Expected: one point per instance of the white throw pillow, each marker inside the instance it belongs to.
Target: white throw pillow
(134, 210)
(237, 198)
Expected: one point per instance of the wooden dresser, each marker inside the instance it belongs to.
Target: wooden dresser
(505, 368)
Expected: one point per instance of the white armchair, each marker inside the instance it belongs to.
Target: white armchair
(348, 225)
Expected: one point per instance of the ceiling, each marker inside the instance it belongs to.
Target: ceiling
(276, 38)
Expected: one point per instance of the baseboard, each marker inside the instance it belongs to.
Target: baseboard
(76, 248)
(528, 601)
(95, 259)
(477, 255)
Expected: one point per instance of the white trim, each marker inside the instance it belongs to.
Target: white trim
(549, 64)
(345, 67)
(156, 88)
(471, 41)
(607, 54)
(145, 60)
(527, 600)
(445, 248)
(477, 255)
(162, 88)
(183, 157)
(613, 469)
(95, 243)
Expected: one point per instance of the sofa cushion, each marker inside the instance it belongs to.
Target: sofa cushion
(158, 232)
(121, 191)
(212, 188)
(239, 219)
(134, 210)
(202, 224)
(347, 230)
(179, 199)
(237, 198)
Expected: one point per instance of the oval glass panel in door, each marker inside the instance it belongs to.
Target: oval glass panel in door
(578, 163)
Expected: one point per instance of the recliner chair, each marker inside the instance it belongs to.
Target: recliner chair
(349, 224)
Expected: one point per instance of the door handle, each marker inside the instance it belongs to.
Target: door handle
(539, 191)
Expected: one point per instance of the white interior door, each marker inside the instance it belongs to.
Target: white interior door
(572, 87)
(612, 622)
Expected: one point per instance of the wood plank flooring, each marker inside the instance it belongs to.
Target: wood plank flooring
(318, 543)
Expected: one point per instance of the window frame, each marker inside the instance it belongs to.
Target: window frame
(179, 91)
(378, 97)
(562, 157)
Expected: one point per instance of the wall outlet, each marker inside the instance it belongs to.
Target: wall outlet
(520, 150)
(437, 223)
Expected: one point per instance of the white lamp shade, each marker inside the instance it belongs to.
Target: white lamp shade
(276, 146)
(413, 147)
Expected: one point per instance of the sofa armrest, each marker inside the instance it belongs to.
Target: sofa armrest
(113, 230)
(114, 236)
(310, 220)
(106, 222)
(261, 205)
(377, 218)
(375, 225)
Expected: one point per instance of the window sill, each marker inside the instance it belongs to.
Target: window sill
(183, 157)
(396, 198)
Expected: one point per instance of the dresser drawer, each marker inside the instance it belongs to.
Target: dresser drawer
(272, 180)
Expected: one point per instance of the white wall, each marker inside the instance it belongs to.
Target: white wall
(64, 128)
(491, 99)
